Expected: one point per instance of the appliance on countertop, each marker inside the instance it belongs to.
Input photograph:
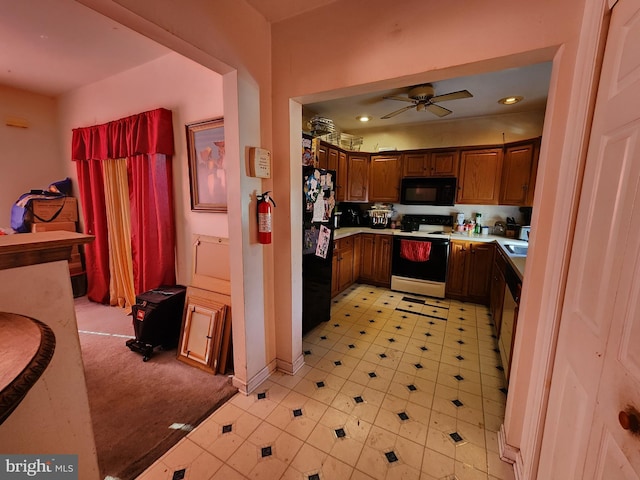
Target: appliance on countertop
(380, 215)
(525, 231)
(351, 215)
(419, 262)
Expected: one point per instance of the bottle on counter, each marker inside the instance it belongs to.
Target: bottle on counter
(478, 227)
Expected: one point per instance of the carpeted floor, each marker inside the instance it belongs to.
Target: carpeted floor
(139, 409)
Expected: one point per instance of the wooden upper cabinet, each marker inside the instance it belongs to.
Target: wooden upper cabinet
(342, 179)
(518, 174)
(384, 178)
(432, 163)
(332, 159)
(358, 177)
(416, 164)
(323, 156)
(479, 176)
(444, 163)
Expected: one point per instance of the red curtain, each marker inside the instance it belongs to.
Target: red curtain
(146, 140)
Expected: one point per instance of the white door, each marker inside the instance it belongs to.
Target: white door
(597, 370)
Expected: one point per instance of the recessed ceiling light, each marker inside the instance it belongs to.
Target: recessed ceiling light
(510, 100)
(363, 118)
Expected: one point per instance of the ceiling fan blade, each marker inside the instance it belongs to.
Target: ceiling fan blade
(451, 96)
(438, 110)
(397, 112)
(402, 99)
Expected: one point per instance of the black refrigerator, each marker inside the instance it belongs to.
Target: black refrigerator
(318, 207)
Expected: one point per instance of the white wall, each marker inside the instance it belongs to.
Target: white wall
(192, 92)
(30, 158)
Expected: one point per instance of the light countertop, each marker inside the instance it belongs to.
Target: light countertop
(517, 261)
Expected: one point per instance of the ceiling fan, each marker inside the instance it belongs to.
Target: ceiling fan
(422, 97)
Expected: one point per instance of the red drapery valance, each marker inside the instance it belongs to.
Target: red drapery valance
(145, 133)
(146, 141)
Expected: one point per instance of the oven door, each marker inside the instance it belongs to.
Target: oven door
(434, 269)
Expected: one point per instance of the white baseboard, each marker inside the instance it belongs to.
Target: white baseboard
(510, 454)
(288, 367)
(255, 381)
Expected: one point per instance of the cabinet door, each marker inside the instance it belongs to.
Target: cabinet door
(335, 269)
(384, 178)
(332, 159)
(479, 266)
(357, 256)
(497, 295)
(456, 273)
(444, 163)
(322, 155)
(201, 337)
(367, 259)
(516, 174)
(415, 165)
(358, 178)
(382, 259)
(342, 177)
(346, 268)
(479, 178)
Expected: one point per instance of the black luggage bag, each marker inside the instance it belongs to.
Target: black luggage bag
(157, 319)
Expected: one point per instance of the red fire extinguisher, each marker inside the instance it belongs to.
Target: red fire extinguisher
(264, 217)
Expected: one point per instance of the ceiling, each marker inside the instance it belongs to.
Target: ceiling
(52, 47)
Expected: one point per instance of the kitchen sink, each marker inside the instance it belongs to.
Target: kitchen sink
(520, 250)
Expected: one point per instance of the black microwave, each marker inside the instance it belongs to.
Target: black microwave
(428, 191)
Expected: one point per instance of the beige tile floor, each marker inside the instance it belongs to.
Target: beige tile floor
(392, 388)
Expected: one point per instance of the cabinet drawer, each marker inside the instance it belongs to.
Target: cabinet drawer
(346, 242)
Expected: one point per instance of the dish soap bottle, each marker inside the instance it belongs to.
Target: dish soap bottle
(478, 227)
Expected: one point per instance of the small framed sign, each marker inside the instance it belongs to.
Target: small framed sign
(259, 162)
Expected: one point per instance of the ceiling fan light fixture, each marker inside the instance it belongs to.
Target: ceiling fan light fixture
(363, 118)
(510, 100)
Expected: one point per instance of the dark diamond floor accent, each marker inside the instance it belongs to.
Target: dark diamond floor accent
(262, 395)
(227, 428)
(412, 387)
(398, 327)
(391, 457)
(461, 342)
(372, 321)
(179, 474)
(460, 357)
(357, 306)
(307, 352)
(391, 340)
(455, 436)
(347, 314)
(383, 355)
(358, 399)
(351, 345)
(336, 324)
(423, 348)
(428, 334)
(418, 366)
(386, 303)
(313, 476)
(457, 402)
(372, 374)
(297, 412)
(340, 433)
(337, 363)
(459, 377)
(403, 416)
(323, 337)
(362, 332)
(266, 452)
(461, 329)
(320, 384)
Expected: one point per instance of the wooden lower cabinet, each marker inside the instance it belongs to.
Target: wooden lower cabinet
(375, 266)
(497, 290)
(342, 273)
(469, 274)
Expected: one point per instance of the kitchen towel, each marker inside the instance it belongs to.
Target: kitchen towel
(415, 250)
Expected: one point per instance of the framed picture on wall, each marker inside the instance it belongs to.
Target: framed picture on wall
(207, 174)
